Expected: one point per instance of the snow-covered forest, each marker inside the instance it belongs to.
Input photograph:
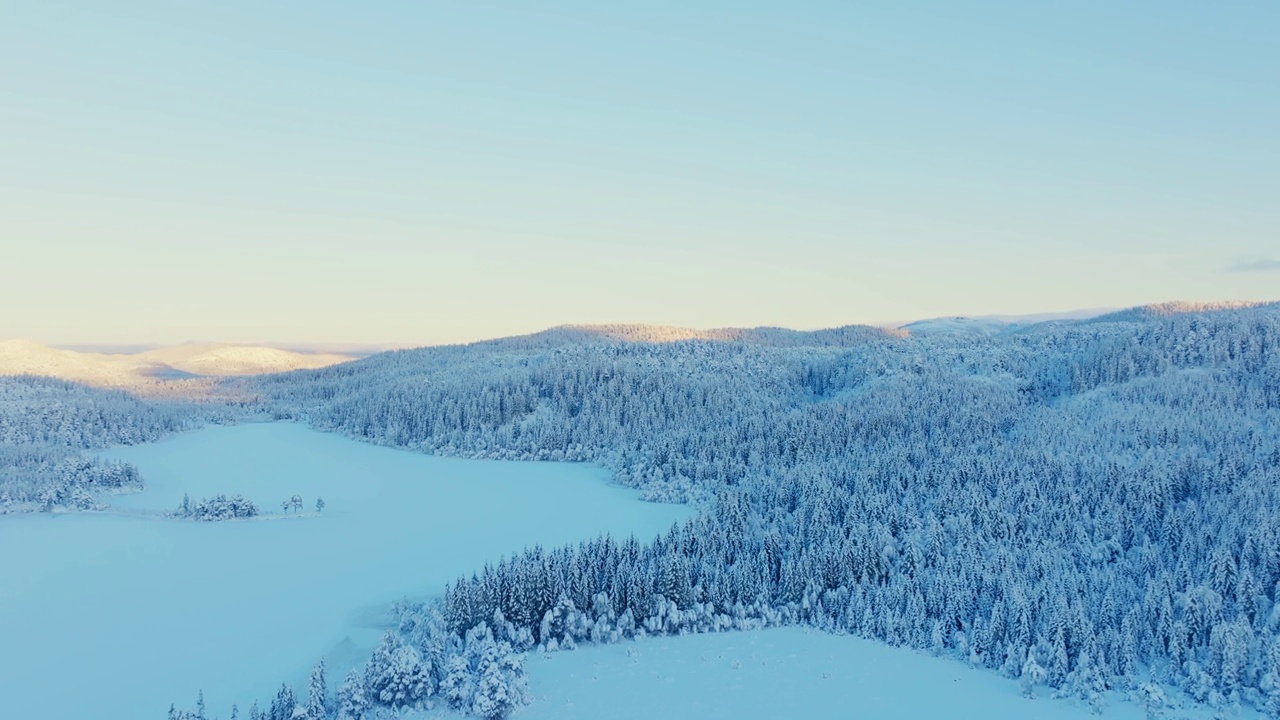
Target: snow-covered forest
(47, 425)
(1077, 505)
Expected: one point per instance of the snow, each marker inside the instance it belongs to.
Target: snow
(18, 357)
(24, 357)
(117, 614)
(784, 672)
(789, 672)
(958, 325)
(225, 360)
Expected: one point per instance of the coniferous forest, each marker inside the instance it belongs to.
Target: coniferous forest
(47, 425)
(1079, 505)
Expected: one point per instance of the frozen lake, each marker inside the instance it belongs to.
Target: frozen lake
(114, 616)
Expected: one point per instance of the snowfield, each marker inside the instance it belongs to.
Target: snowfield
(24, 357)
(115, 615)
(778, 673)
(790, 672)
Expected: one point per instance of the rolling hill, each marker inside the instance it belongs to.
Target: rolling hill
(190, 360)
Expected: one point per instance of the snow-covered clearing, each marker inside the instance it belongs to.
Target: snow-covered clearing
(114, 615)
(777, 673)
(787, 672)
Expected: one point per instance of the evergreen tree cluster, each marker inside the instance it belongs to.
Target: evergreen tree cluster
(478, 672)
(217, 508)
(1076, 505)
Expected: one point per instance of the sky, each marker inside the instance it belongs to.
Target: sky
(396, 172)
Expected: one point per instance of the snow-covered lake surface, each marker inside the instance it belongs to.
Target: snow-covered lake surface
(113, 616)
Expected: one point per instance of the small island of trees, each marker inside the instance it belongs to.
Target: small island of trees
(217, 508)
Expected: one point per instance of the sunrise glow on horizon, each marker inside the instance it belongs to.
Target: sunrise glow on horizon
(427, 173)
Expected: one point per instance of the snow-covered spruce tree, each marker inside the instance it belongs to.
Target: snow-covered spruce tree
(198, 714)
(397, 676)
(1032, 674)
(317, 694)
(502, 686)
(352, 701)
(458, 686)
(283, 705)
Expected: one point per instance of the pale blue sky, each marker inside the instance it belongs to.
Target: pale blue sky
(431, 171)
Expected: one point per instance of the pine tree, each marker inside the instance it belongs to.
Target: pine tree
(457, 687)
(283, 705)
(352, 701)
(1059, 662)
(317, 694)
(501, 686)
(1153, 700)
(1033, 674)
(396, 675)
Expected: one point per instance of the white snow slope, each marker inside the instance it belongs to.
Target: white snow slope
(24, 357)
(790, 672)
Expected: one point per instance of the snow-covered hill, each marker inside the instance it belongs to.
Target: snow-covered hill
(957, 325)
(994, 324)
(224, 360)
(563, 335)
(25, 357)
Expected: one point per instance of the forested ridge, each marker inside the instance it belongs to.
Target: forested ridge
(46, 426)
(1079, 505)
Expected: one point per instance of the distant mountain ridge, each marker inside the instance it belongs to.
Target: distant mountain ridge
(140, 364)
(1165, 309)
(191, 360)
(845, 335)
(561, 335)
(26, 357)
(994, 324)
